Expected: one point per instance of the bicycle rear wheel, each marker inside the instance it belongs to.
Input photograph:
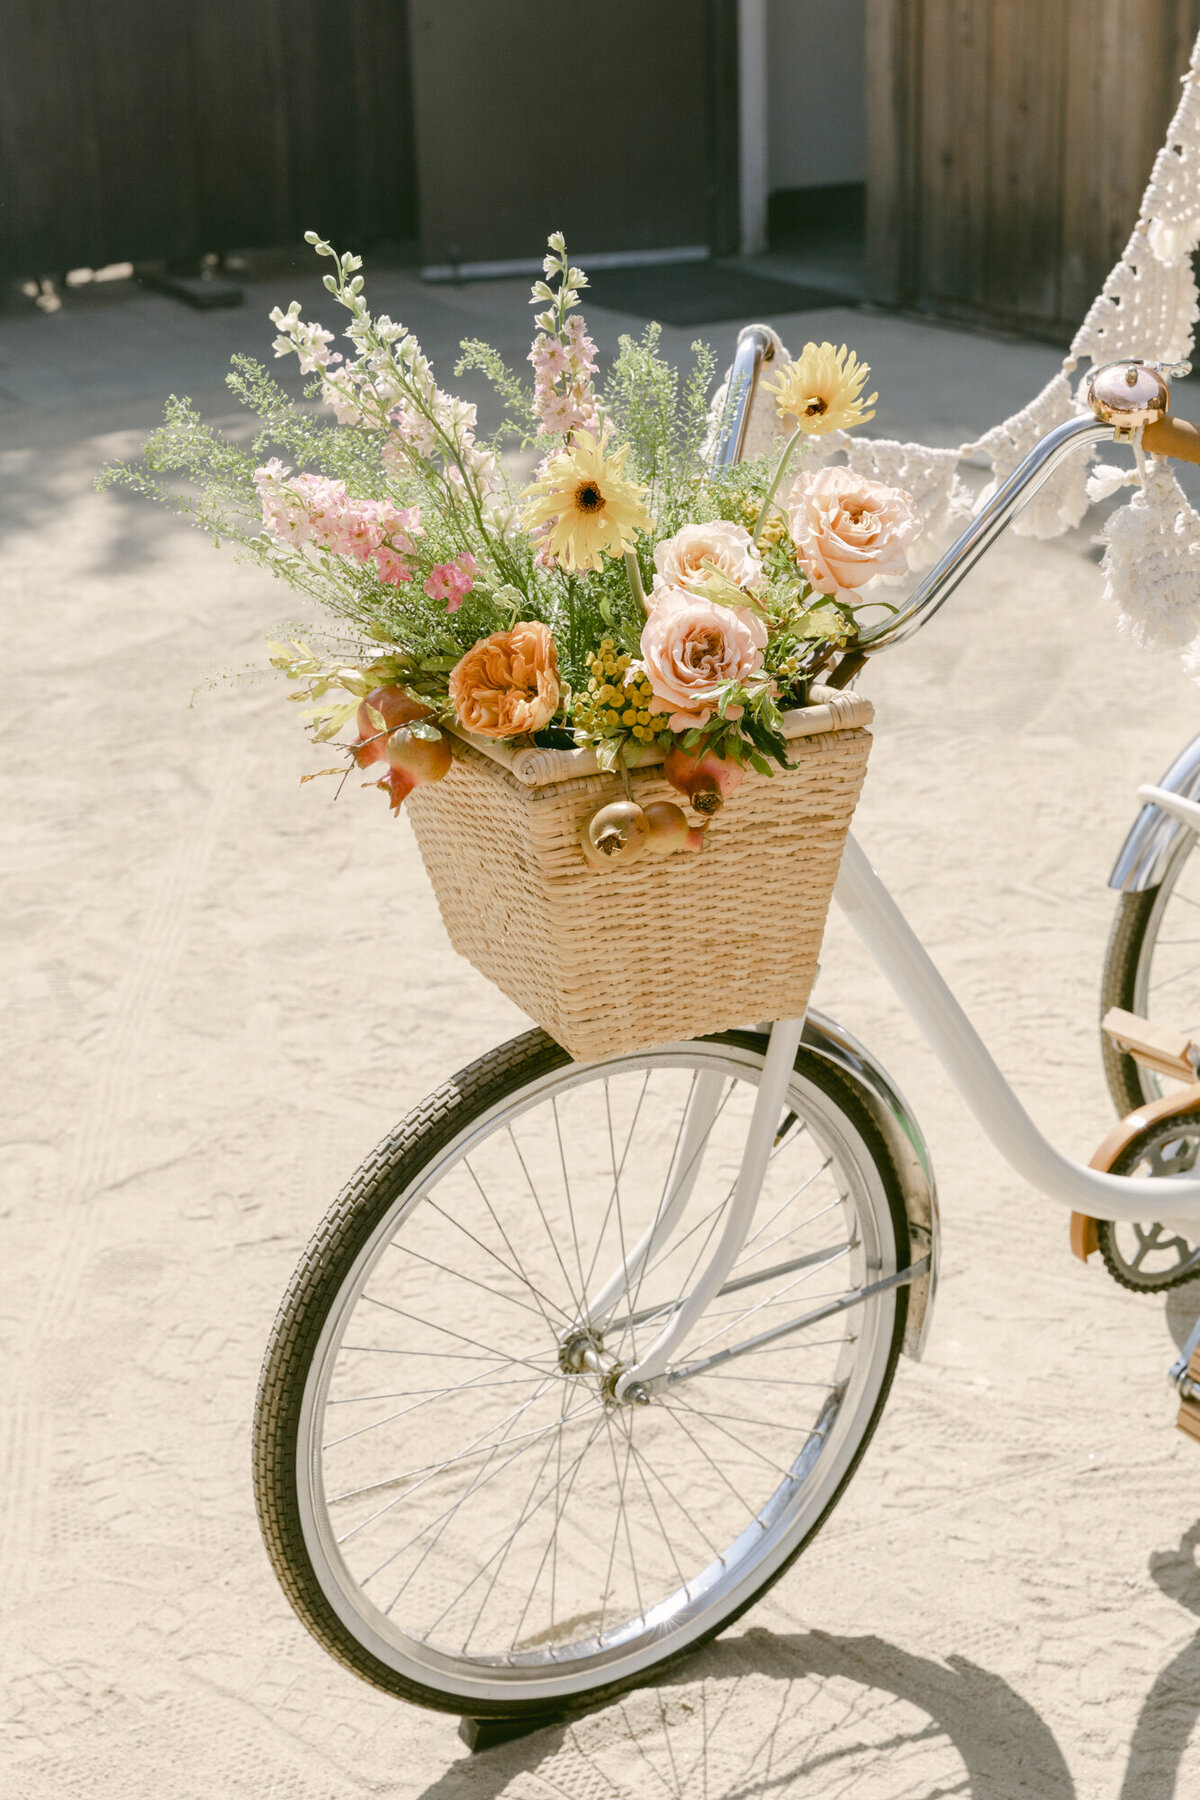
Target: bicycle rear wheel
(454, 1503)
(1152, 968)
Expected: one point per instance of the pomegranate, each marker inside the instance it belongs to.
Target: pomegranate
(418, 756)
(706, 779)
(669, 828)
(396, 787)
(618, 833)
(396, 706)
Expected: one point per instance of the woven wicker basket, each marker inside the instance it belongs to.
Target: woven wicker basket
(666, 948)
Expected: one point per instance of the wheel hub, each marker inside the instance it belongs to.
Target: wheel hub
(583, 1353)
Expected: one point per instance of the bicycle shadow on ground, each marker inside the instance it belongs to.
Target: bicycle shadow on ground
(1172, 1707)
(799, 1716)
(1182, 1311)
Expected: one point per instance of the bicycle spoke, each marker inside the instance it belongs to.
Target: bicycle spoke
(614, 1195)
(432, 1324)
(625, 1423)
(785, 1474)
(464, 1387)
(562, 1159)
(472, 1281)
(577, 1299)
(487, 1249)
(782, 1208)
(478, 1483)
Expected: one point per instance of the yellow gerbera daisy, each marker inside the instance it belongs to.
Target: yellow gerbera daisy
(822, 390)
(590, 508)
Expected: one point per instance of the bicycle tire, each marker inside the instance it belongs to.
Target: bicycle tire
(1127, 981)
(370, 1198)
(1122, 955)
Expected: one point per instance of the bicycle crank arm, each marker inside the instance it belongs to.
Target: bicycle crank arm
(687, 1371)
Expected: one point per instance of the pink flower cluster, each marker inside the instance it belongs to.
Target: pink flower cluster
(452, 581)
(413, 432)
(312, 509)
(563, 367)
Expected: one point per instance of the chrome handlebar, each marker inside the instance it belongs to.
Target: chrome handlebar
(755, 346)
(982, 532)
(1123, 396)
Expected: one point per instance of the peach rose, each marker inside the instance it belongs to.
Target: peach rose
(507, 684)
(691, 647)
(680, 560)
(847, 529)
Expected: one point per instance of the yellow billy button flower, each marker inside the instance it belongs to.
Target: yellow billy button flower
(616, 699)
(822, 390)
(591, 510)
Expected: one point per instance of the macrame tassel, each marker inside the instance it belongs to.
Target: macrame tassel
(1105, 479)
(1151, 564)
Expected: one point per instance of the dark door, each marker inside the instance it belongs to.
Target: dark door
(615, 123)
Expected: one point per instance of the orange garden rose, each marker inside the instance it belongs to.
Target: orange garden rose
(507, 684)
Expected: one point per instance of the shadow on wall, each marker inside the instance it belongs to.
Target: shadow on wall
(800, 1716)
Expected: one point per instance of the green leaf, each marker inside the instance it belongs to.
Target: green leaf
(608, 753)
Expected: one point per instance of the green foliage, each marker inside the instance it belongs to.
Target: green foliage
(410, 445)
(518, 397)
(663, 415)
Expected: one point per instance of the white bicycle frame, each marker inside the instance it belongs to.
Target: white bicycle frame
(893, 944)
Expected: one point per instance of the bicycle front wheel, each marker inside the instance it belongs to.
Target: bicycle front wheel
(454, 1501)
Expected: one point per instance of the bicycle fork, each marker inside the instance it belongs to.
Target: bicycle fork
(654, 1370)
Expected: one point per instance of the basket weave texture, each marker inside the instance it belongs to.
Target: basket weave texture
(663, 949)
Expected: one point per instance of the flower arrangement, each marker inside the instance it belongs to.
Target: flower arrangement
(628, 597)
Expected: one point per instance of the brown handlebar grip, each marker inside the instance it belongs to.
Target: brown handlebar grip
(1172, 437)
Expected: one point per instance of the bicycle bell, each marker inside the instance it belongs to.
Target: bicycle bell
(1127, 395)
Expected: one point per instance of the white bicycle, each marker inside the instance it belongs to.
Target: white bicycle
(585, 1354)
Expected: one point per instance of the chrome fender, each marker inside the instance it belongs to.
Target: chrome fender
(1144, 855)
(900, 1131)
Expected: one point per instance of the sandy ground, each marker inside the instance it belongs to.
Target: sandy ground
(222, 990)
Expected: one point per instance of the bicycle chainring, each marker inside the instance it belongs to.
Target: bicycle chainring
(1151, 1258)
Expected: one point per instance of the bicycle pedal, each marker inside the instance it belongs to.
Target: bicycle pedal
(1188, 1420)
(1184, 1374)
(1154, 1047)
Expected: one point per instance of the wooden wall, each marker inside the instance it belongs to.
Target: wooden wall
(1009, 142)
(136, 130)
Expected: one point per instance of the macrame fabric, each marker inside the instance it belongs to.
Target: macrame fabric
(1147, 309)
